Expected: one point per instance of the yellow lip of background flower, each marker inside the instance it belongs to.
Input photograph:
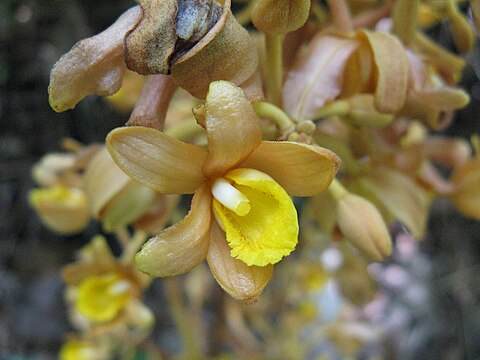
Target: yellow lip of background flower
(64, 210)
(101, 298)
(234, 141)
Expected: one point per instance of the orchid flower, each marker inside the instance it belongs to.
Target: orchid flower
(242, 219)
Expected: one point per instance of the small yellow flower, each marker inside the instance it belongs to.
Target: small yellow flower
(77, 349)
(103, 289)
(101, 298)
(241, 186)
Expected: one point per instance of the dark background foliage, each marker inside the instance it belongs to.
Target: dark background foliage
(33, 35)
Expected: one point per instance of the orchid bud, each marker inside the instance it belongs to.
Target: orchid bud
(275, 17)
(361, 224)
(197, 42)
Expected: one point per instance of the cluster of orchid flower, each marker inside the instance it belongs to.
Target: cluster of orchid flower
(339, 104)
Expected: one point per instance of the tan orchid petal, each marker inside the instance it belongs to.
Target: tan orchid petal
(443, 59)
(450, 152)
(182, 246)
(466, 196)
(127, 206)
(317, 77)
(445, 98)
(157, 160)
(401, 196)
(93, 66)
(242, 282)
(392, 70)
(358, 73)
(415, 109)
(74, 274)
(463, 33)
(302, 170)
(233, 129)
(405, 17)
(103, 180)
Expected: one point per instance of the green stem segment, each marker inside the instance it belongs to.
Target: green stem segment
(337, 190)
(335, 108)
(184, 131)
(275, 115)
(182, 320)
(274, 48)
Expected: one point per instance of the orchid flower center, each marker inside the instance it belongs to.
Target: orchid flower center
(227, 195)
(257, 215)
(101, 298)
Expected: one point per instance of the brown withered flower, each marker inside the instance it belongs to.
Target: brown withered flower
(196, 42)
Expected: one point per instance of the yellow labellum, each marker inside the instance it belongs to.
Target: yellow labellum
(100, 298)
(78, 350)
(269, 231)
(57, 195)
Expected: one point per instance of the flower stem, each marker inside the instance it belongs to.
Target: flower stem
(335, 108)
(274, 49)
(184, 130)
(181, 318)
(275, 115)
(341, 15)
(151, 107)
(404, 17)
(337, 190)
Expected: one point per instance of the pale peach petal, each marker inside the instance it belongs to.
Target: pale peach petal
(400, 196)
(180, 247)
(93, 66)
(240, 281)
(417, 71)
(233, 129)
(302, 170)
(157, 160)
(74, 274)
(317, 78)
(392, 70)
